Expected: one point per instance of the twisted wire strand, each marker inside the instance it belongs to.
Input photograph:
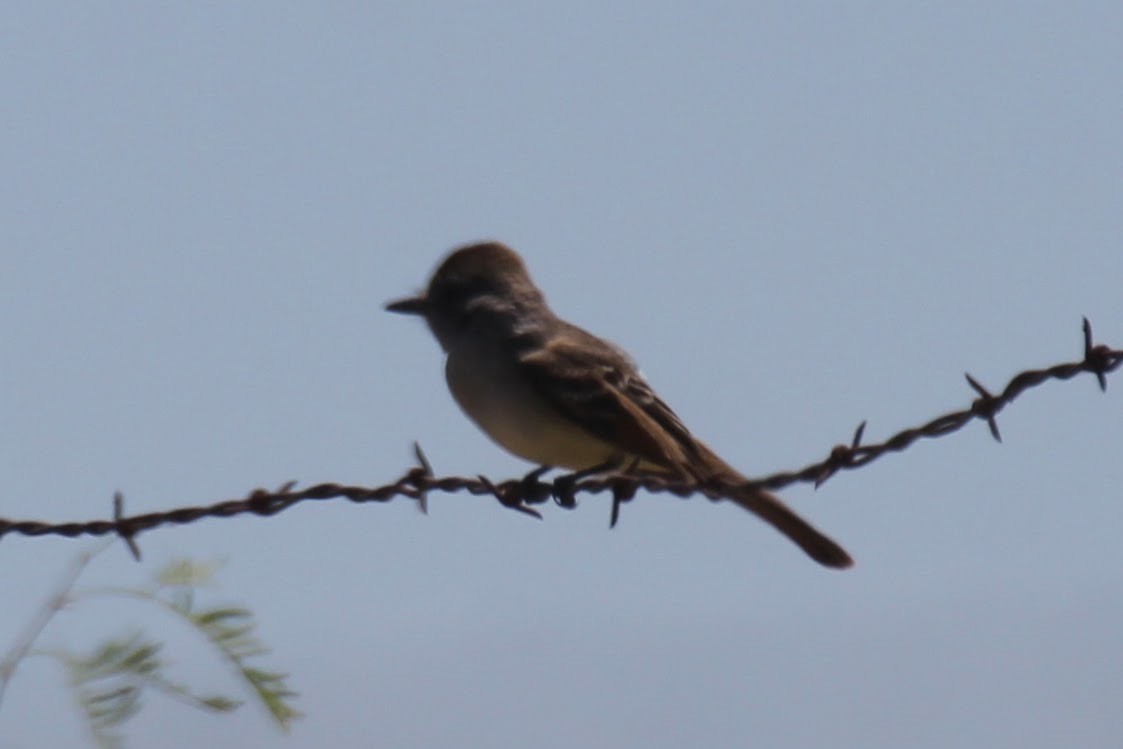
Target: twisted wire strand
(524, 493)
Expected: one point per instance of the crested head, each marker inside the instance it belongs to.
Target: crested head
(477, 281)
(480, 260)
(484, 270)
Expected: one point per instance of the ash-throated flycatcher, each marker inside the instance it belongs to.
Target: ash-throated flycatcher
(556, 395)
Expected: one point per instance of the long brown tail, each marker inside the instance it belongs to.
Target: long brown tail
(771, 510)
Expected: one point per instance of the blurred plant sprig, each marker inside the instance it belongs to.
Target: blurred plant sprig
(110, 680)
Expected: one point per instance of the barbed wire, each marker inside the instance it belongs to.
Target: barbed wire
(523, 494)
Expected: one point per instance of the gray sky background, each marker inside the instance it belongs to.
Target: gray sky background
(794, 215)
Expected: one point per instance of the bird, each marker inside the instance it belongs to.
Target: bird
(556, 395)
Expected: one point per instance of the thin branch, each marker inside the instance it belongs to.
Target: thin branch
(54, 603)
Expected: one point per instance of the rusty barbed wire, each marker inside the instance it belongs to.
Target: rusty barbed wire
(522, 494)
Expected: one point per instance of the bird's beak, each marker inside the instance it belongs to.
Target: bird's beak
(416, 305)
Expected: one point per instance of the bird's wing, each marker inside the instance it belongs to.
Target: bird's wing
(596, 386)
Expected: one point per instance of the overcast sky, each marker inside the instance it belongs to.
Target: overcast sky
(795, 216)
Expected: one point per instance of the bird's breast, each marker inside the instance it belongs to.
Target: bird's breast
(497, 394)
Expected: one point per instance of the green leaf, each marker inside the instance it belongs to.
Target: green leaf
(187, 573)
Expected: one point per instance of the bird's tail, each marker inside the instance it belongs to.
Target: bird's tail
(771, 510)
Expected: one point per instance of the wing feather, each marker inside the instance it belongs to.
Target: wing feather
(595, 385)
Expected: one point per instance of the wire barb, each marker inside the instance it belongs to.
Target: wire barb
(123, 532)
(986, 406)
(622, 491)
(841, 456)
(508, 495)
(1098, 358)
(422, 473)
